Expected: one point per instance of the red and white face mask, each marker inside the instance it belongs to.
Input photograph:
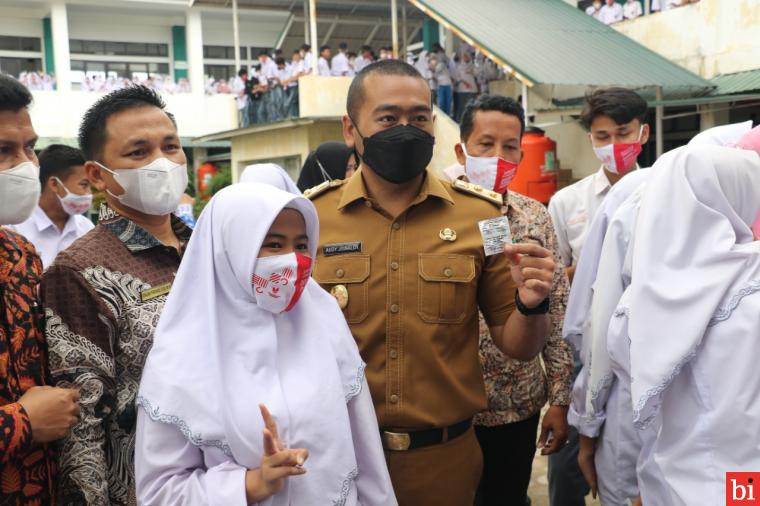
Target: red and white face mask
(490, 172)
(278, 281)
(619, 158)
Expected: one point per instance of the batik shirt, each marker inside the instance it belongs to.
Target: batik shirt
(27, 469)
(516, 389)
(103, 297)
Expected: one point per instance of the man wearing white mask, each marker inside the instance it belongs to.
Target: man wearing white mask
(491, 132)
(58, 219)
(614, 118)
(103, 296)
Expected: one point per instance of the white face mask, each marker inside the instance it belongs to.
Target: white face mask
(19, 193)
(278, 281)
(619, 158)
(72, 203)
(490, 172)
(154, 189)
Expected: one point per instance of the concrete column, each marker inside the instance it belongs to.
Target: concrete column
(194, 33)
(236, 35)
(394, 28)
(61, 56)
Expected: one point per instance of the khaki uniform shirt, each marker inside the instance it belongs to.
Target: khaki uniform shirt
(414, 290)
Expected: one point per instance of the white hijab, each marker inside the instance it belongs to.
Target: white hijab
(691, 246)
(612, 278)
(723, 135)
(217, 355)
(269, 173)
(582, 289)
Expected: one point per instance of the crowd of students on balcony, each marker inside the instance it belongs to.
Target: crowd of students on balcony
(612, 11)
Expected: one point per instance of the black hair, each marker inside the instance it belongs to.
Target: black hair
(351, 54)
(342, 45)
(383, 67)
(506, 105)
(277, 52)
(306, 47)
(13, 95)
(322, 48)
(263, 52)
(366, 48)
(297, 52)
(242, 72)
(92, 131)
(620, 104)
(279, 60)
(58, 160)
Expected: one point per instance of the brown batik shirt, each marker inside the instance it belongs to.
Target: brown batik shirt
(518, 390)
(103, 297)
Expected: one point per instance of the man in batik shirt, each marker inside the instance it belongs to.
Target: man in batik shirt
(491, 132)
(103, 296)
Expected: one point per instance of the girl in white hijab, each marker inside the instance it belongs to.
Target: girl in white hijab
(269, 173)
(693, 311)
(245, 326)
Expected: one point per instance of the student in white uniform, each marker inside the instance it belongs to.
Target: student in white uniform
(614, 118)
(632, 9)
(66, 194)
(323, 64)
(339, 65)
(282, 412)
(611, 12)
(693, 318)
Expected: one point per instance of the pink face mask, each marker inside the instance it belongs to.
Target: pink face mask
(490, 172)
(278, 281)
(619, 158)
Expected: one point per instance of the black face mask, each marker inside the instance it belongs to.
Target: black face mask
(398, 154)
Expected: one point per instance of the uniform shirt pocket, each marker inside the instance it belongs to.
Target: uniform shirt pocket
(351, 271)
(446, 292)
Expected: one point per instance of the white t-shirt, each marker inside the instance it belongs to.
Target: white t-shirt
(632, 10)
(609, 14)
(47, 239)
(466, 78)
(572, 209)
(323, 67)
(268, 70)
(238, 87)
(339, 65)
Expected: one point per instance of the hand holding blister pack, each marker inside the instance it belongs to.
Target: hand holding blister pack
(496, 234)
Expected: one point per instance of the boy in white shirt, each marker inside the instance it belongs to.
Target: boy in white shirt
(57, 221)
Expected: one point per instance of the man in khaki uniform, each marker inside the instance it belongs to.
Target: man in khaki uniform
(402, 252)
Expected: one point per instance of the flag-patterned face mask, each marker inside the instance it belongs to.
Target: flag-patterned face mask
(278, 281)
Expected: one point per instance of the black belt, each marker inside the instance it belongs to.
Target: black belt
(402, 441)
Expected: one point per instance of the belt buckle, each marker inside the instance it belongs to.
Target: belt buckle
(396, 441)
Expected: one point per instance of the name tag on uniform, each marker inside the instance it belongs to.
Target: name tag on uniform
(156, 291)
(341, 248)
(496, 235)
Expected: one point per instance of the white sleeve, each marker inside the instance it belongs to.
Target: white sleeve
(373, 483)
(170, 471)
(558, 220)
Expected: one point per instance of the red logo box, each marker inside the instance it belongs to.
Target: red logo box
(743, 489)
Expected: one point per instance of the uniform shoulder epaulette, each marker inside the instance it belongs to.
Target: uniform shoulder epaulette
(478, 191)
(321, 188)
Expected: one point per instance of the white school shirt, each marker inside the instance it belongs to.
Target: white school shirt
(323, 67)
(632, 10)
(572, 209)
(339, 65)
(238, 87)
(268, 70)
(609, 14)
(47, 239)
